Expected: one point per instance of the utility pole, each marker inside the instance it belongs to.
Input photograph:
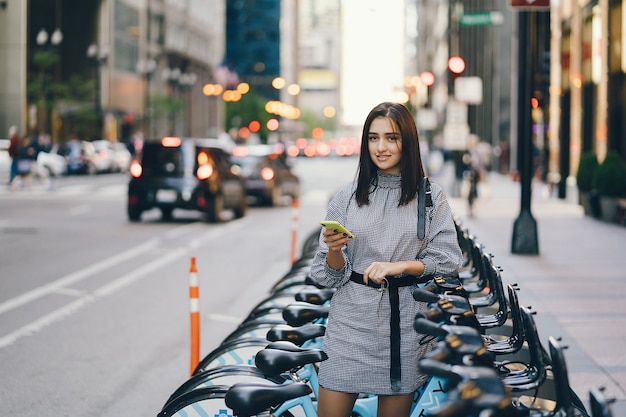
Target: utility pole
(525, 239)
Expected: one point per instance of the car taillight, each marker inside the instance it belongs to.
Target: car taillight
(240, 151)
(310, 151)
(204, 172)
(293, 151)
(267, 173)
(171, 142)
(136, 169)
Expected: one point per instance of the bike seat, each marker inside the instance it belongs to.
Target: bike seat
(299, 313)
(477, 389)
(308, 280)
(250, 399)
(452, 352)
(276, 361)
(451, 309)
(296, 335)
(446, 284)
(315, 295)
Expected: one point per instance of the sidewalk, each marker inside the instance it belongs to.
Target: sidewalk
(576, 285)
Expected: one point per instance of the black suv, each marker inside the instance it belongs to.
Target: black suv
(191, 174)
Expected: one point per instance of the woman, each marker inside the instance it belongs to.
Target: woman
(370, 341)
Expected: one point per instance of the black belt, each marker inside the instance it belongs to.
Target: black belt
(392, 284)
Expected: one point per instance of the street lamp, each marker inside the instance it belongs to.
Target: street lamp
(46, 58)
(55, 39)
(97, 56)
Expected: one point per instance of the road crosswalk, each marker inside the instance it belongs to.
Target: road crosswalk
(103, 191)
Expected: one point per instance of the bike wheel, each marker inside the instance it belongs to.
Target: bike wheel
(225, 376)
(256, 329)
(237, 352)
(199, 402)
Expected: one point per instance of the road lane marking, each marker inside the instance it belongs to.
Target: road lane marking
(74, 189)
(44, 321)
(72, 292)
(75, 277)
(74, 306)
(82, 209)
(224, 318)
(105, 290)
(138, 273)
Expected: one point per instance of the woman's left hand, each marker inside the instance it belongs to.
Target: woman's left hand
(377, 271)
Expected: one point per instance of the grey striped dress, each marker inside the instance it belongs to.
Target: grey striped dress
(357, 334)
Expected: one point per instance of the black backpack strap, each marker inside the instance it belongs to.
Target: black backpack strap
(424, 199)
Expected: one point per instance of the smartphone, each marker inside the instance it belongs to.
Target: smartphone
(336, 226)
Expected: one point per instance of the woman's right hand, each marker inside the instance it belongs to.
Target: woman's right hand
(335, 240)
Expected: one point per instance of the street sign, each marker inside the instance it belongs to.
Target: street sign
(481, 19)
(530, 4)
(456, 112)
(456, 130)
(455, 136)
(426, 119)
(469, 90)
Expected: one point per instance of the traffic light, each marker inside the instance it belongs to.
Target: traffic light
(428, 78)
(456, 66)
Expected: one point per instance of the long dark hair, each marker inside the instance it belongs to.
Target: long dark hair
(411, 169)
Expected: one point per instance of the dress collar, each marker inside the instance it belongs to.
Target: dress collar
(389, 180)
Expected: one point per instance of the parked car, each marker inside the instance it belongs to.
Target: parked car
(79, 155)
(267, 172)
(104, 156)
(54, 164)
(121, 156)
(192, 174)
(5, 159)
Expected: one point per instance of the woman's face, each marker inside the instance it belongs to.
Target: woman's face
(385, 145)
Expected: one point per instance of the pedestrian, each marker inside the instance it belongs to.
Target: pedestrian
(26, 159)
(475, 161)
(14, 145)
(42, 142)
(371, 347)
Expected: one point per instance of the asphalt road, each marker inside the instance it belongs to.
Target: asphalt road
(94, 310)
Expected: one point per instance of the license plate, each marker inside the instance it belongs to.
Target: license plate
(166, 196)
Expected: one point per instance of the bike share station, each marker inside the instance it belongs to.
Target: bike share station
(489, 359)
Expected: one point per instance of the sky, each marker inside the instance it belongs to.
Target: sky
(372, 58)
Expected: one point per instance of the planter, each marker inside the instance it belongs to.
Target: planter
(608, 206)
(583, 200)
(593, 200)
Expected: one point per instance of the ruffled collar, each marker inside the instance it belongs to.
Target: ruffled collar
(388, 180)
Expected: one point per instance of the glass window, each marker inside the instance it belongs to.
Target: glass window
(126, 36)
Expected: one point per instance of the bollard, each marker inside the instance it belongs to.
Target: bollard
(194, 311)
(294, 229)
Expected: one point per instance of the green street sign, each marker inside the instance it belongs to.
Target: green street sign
(481, 19)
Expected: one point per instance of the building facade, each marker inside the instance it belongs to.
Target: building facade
(253, 38)
(110, 68)
(588, 86)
